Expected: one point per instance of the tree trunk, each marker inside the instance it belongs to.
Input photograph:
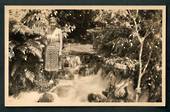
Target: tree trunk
(140, 72)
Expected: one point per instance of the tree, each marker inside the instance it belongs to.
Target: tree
(80, 20)
(149, 24)
(139, 33)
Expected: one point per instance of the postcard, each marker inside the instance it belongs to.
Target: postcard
(96, 55)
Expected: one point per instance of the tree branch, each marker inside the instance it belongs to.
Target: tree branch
(135, 25)
(143, 71)
(146, 34)
(137, 12)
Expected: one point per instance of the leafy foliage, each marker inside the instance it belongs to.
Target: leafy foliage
(77, 20)
(27, 30)
(116, 36)
(125, 26)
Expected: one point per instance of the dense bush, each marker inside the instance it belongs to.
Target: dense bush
(133, 35)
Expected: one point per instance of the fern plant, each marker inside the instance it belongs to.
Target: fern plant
(25, 56)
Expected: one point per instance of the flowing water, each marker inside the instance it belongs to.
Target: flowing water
(66, 91)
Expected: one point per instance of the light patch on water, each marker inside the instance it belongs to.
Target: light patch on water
(25, 98)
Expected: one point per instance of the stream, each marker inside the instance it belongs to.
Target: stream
(67, 91)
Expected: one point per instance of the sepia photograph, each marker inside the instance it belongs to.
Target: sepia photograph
(85, 55)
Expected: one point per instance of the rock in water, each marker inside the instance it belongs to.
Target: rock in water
(46, 97)
(96, 98)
